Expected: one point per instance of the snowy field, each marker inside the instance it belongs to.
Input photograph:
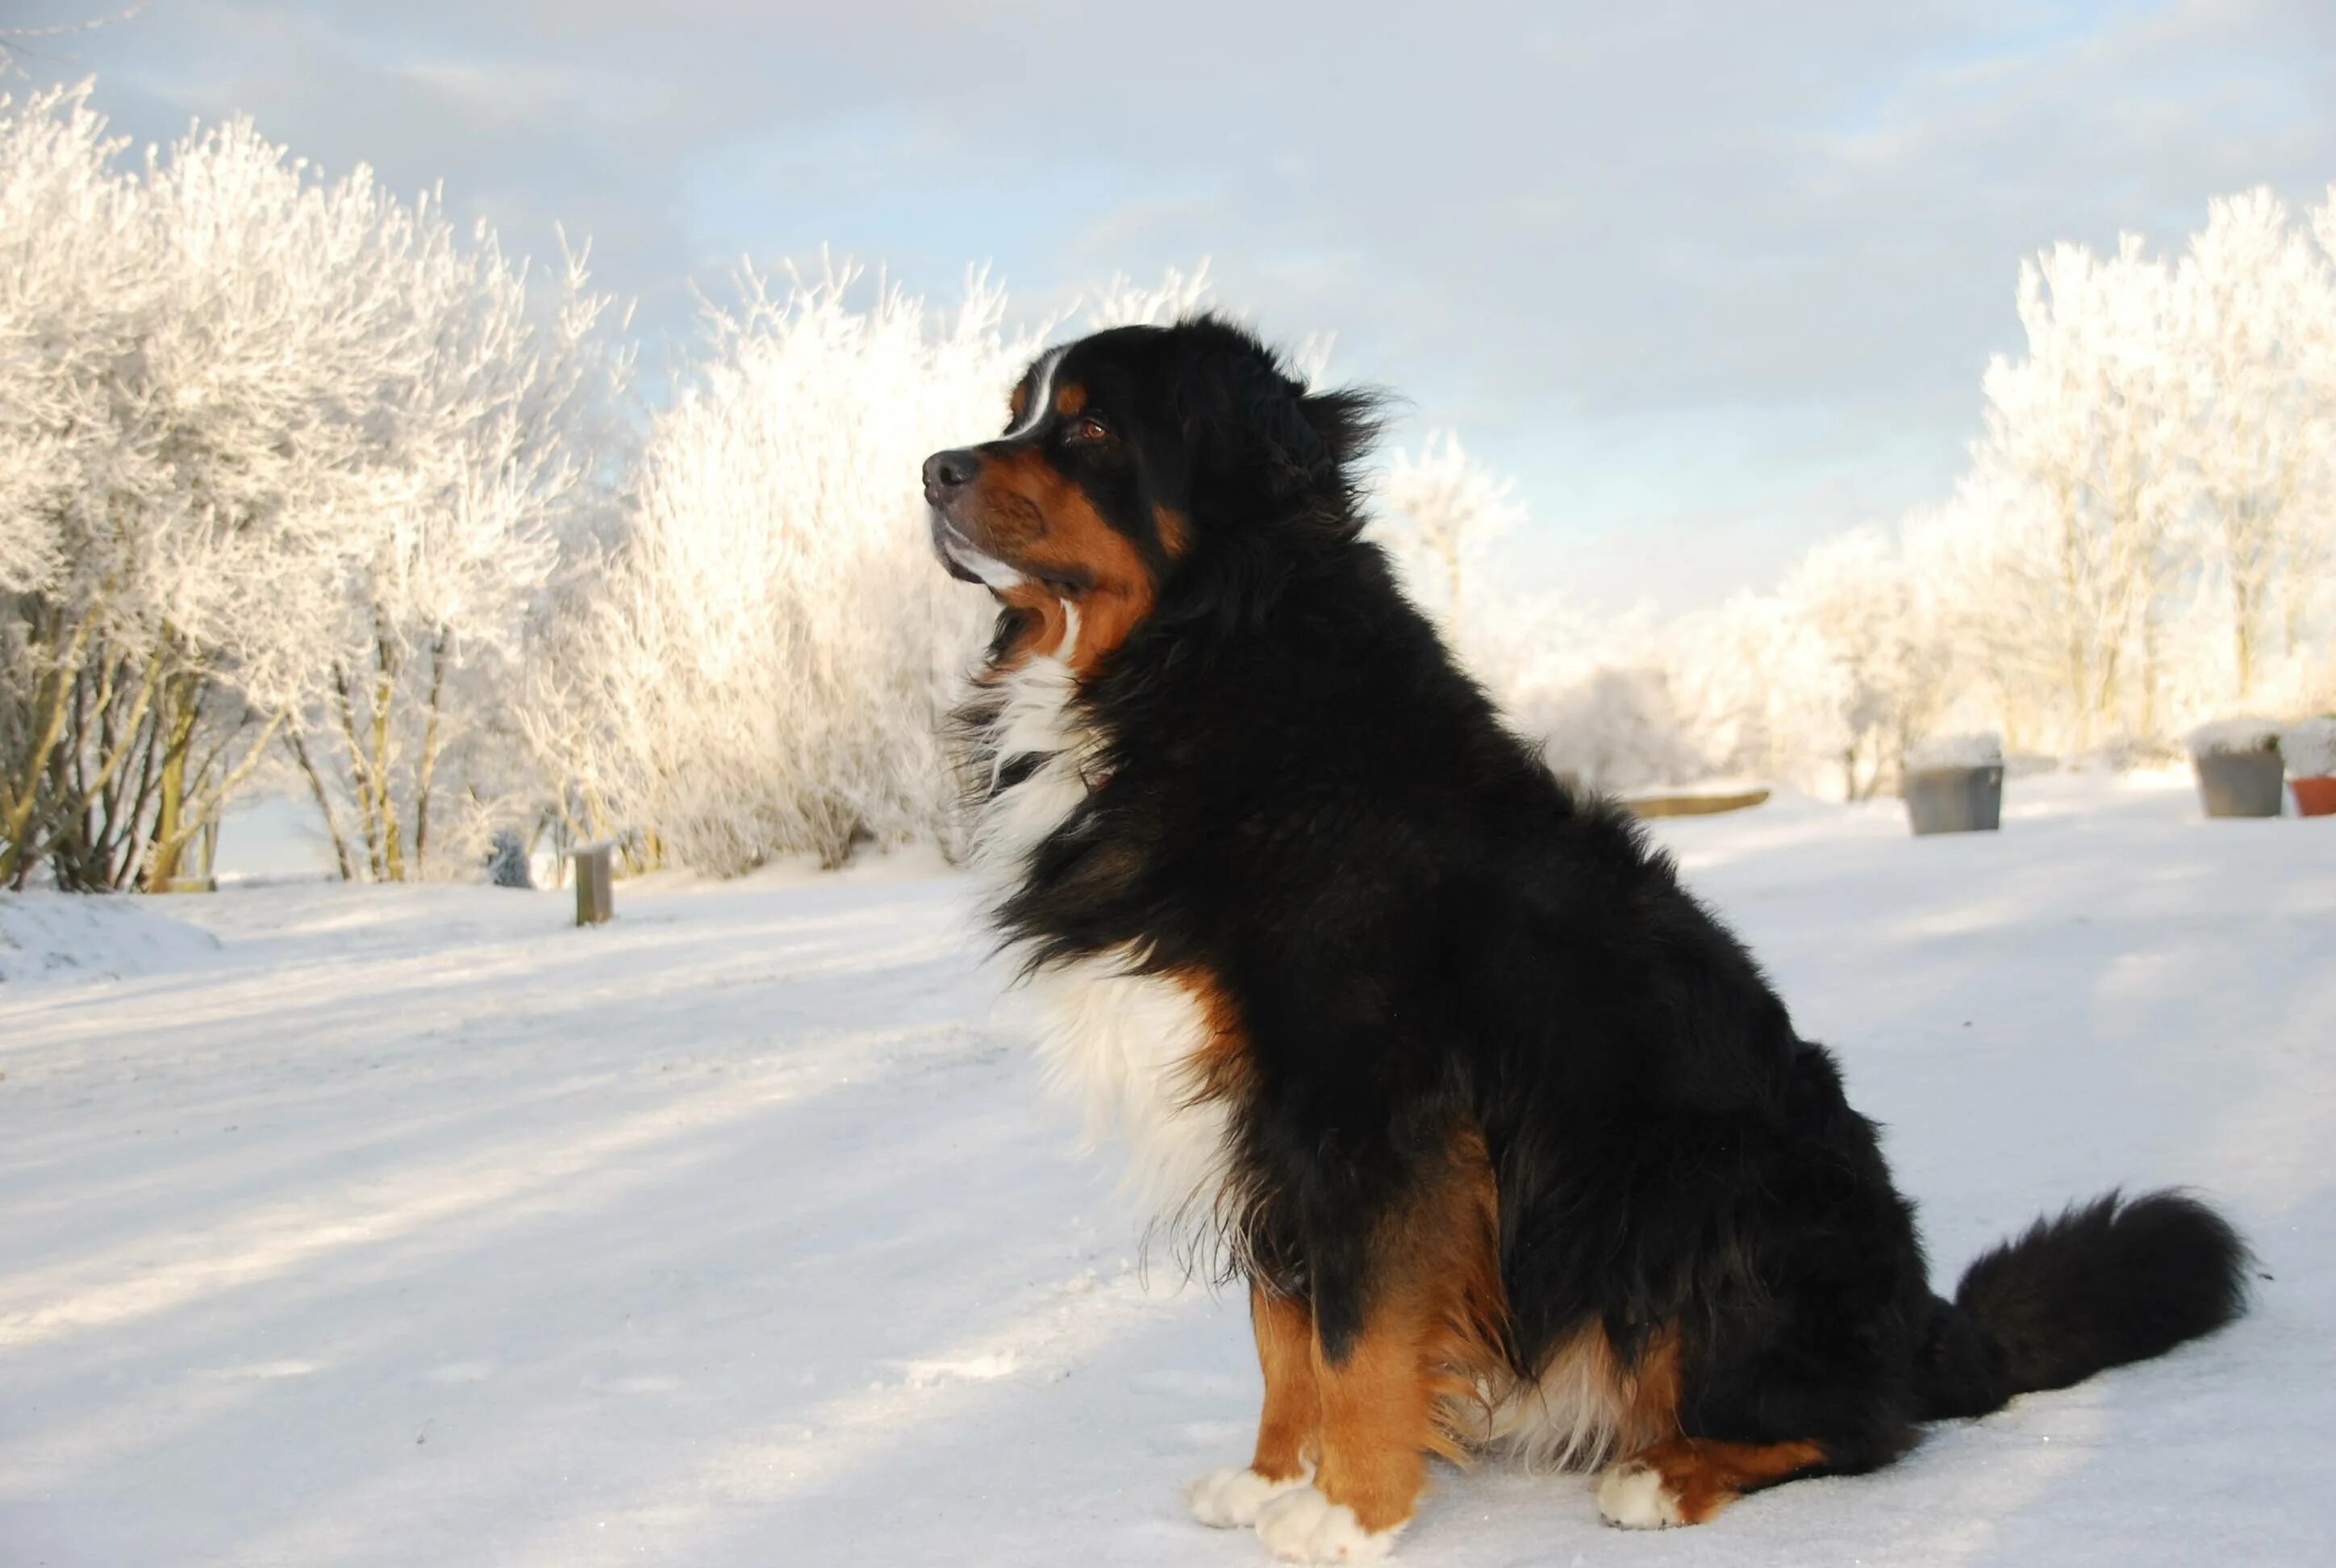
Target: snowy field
(412, 1226)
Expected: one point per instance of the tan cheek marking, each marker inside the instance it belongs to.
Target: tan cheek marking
(1043, 521)
(1016, 495)
(1109, 611)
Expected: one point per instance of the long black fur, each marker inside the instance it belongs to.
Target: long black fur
(2105, 1283)
(1303, 796)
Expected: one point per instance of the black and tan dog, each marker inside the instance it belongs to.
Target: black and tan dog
(1513, 1143)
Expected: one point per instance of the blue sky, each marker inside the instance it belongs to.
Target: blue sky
(1710, 280)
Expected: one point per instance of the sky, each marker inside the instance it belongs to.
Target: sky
(1709, 280)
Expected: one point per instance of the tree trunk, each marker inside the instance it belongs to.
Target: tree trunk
(2243, 618)
(385, 691)
(21, 793)
(429, 754)
(201, 805)
(341, 856)
(181, 709)
(360, 775)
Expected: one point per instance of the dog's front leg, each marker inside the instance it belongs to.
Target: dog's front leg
(1404, 1320)
(1289, 1430)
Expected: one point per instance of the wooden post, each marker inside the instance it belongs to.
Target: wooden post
(596, 899)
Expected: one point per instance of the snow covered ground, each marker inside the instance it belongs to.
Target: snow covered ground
(412, 1226)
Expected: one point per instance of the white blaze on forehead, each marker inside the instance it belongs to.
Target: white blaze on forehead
(1042, 393)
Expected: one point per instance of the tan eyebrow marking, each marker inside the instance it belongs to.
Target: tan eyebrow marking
(1070, 399)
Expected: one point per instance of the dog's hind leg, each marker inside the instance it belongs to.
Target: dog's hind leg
(1807, 1403)
(1687, 1480)
(1289, 1430)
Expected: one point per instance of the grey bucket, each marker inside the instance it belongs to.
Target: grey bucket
(1955, 799)
(2240, 784)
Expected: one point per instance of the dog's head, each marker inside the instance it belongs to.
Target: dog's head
(1132, 458)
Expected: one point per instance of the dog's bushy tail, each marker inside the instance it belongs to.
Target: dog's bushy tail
(2107, 1283)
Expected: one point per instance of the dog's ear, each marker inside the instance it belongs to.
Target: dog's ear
(1257, 438)
(1347, 420)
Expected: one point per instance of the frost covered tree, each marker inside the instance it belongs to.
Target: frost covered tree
(1450, 505)
(1855, 594)
(174, 474)
(2257, 301)
(2144, 538)
(260, 435)
(487, 468)
(2144, 534)
(2081, 453)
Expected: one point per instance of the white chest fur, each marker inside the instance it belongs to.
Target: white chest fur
(1120, 1044)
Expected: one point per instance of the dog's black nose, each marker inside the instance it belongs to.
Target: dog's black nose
(947, 470)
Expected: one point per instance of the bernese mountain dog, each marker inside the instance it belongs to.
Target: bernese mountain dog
(1514, 1145)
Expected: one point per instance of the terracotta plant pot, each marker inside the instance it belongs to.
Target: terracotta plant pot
(2314, 797)
(2240, 784)
(1955, 799)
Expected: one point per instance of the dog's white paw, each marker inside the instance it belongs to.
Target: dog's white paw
(1224, 1498)
(1635, 1496)
(1302, 1525)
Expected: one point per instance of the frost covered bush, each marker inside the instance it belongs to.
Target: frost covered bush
(1616, 730)
(506, 861)
(2233, 736)
(772, 649)
(763, 665)
(1983, 748)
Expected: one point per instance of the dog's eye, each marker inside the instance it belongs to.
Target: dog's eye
(1087, 429)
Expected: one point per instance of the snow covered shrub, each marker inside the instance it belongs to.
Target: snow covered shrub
(507, 864)
(2235, 737)
(1983, 748)
(1124, 302)
(1617, 730)
(1759, 691)
(775, 649)
(1592, 693)
(2310, 747)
